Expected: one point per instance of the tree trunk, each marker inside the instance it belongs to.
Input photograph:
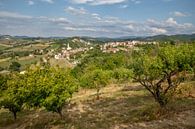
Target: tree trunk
(59, 111)
(15, 116)
(98, 95)
(162, 101)
(162, 104)
(160, 97)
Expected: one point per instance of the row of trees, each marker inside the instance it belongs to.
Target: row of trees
(159, 69)
(41, 87)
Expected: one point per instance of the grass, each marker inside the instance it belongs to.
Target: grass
(23, 61)
(5, 59)
(29, 60)
(2, 47)
(61, 63)
(55, 46)
(118, 107)
(31, 47)
(6, 118)
(4, 64)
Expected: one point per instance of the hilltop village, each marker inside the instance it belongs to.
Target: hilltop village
(57, 52)
(109, 47)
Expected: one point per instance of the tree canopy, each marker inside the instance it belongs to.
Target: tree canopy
(161, 73)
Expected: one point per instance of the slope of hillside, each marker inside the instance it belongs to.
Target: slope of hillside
(127, 106)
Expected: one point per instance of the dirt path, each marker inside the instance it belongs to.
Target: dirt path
(183, 120)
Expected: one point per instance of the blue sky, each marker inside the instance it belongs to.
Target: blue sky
(97, 18)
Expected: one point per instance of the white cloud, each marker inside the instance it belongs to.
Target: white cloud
(97, 18)
(6, 14)
(79, 29)
(130, 26)
(136, 1)
(101, 2)
(90, 24)
(105, 2)
(82, 12)
(171, 21)
(95, 14)
(60, 21)
(82, 1)
(30, 2)
(188, 25)
(171, 26)
(178, 14)
(48, 1)
(98, 2)
(75, 11)
(123, 6)
(158, 30)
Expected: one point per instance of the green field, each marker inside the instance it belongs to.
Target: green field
(23, 61)
(30, 47)
(3, 47)
(5, 62)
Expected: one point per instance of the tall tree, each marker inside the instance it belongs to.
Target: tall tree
(122, 74)
(3, 82)
(12, 99)
(49, 87)
(160, 74)
(62, 86)
(95, 79)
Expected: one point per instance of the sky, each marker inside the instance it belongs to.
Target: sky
(96, 18)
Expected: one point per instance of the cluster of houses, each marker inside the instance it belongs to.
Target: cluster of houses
(67, 52)
(110, 47)
(113, 47)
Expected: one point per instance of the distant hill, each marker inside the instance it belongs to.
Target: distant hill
(178, 37)
(160, 38)
(5, 36)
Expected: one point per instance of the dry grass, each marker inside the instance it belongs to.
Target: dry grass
(5, 59)
(119, 107)
(5, 45)
(62, 63)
